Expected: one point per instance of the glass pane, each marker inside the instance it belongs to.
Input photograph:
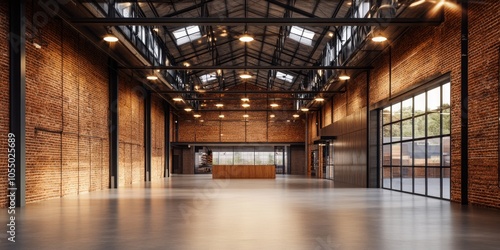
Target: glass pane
(407, 110)
(407, 179)
(396, 112)
(225, 156)
(308, 34)
(434, 182)
(446, 183)
(396, 131)
(446, 116)
(419, 178)
(407, 154)
(446, 152)
(396, 178)
(419, 153)
(386, 158)
(244, 156)
(419, 104)
(434, 152)
(396, 154)
(446, 96)
(296, 30)
(386, 115)
(419, 124)
(407, 130)
(179, 33)
(386, 177)
(192, 30)
(433, 124)
(387, 134)
(434, 99)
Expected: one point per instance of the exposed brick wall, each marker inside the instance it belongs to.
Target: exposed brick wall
(4, 98)
(327, 113)
(157, 139)
(233, 127)
(484, 48)
(66, 116)
(131, 98)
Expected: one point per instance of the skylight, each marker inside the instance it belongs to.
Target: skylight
(208, 77)
(283, 76)
(187, 34)
(301, 35)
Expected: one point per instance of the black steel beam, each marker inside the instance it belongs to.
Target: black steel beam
(291, 8)
(251, 110)
(147, 136)
(17, 84)
(113, 126)
(253, 67)
(465, 104)
(251, 92)
(204, 21)
(181, 11)
(166, 113)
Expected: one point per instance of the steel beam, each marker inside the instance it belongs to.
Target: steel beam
(204, 21)
(201, 92)
(17, 83)
(113, 126)
(248, 67)
(166, 113)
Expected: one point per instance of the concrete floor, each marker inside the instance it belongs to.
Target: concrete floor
(196, 212)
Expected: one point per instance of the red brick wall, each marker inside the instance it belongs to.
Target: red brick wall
(4, 97)
(66, 116)
(157, 139)
(484, 48)
(131, 131)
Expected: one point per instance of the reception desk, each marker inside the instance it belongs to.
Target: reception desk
(243, 172)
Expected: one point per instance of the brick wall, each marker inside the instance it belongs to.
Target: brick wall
(131, 99)
(157, 139)
(484, 49)
(4, 97)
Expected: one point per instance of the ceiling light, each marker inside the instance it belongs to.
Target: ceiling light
(188, 109)
(37, 45)
(245, 115)
(245, 99)
(155, 29)
(272, 115)
(110, 38)
(304, 109)
(344, 76)
(319, 99)
(330, 34)
(152, 77)
(245, 75)
(219, 105)
(186, 64)
(379, 38)
(177, 99)
(274, 105)
(197, 115)
(246, 38)
(221, 116)
(296, 116)
(245, 105)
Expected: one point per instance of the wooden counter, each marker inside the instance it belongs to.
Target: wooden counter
(243, 171)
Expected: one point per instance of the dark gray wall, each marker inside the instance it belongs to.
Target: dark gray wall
(297, 160)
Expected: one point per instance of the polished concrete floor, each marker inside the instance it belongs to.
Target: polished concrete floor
(196, 212)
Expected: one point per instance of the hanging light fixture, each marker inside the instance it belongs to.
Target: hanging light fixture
(152, 77)
(272, 115)
(245, 115)
(245, 99)
(188, 109)
(177, 99)
(246, 38)
(219, 105)
(221, 116)
(110, 38)
(274, 105)
(379, 38)
(245, 105)
(296, 116)
(196, 115)
(245, 75)
(304, 109)
(319, 99)
(344, 76)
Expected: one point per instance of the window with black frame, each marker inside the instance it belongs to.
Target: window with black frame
(416, 144)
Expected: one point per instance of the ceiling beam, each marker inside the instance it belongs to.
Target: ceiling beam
(252, 67)
(250, 92)
(167, 21)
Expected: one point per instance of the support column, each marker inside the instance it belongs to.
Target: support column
(17, 85)
(166, 110)
(147, 136)
(113, 123)
(465, 104)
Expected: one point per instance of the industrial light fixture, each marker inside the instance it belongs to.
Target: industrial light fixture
(319, 99)
(197, 115)
(188, 109)
(379, 38)
(304, 109)
(245, 115)
(156, 29)
(296, 116)
(245, 99)
(272, 115)
(177, 99)
(344, 76)
(274, 105)
(219, 105)
(246, 38)
(245, 105)
(245, 75)
(221, 116)
(186, 64)
(152, 77)
(110, 38)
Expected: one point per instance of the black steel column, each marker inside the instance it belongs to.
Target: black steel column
(113, 123)
(465, 102)
(147, 136)
(17, 84)
(166, 110)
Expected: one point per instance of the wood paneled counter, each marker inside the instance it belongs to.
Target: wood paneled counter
(243, 171)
